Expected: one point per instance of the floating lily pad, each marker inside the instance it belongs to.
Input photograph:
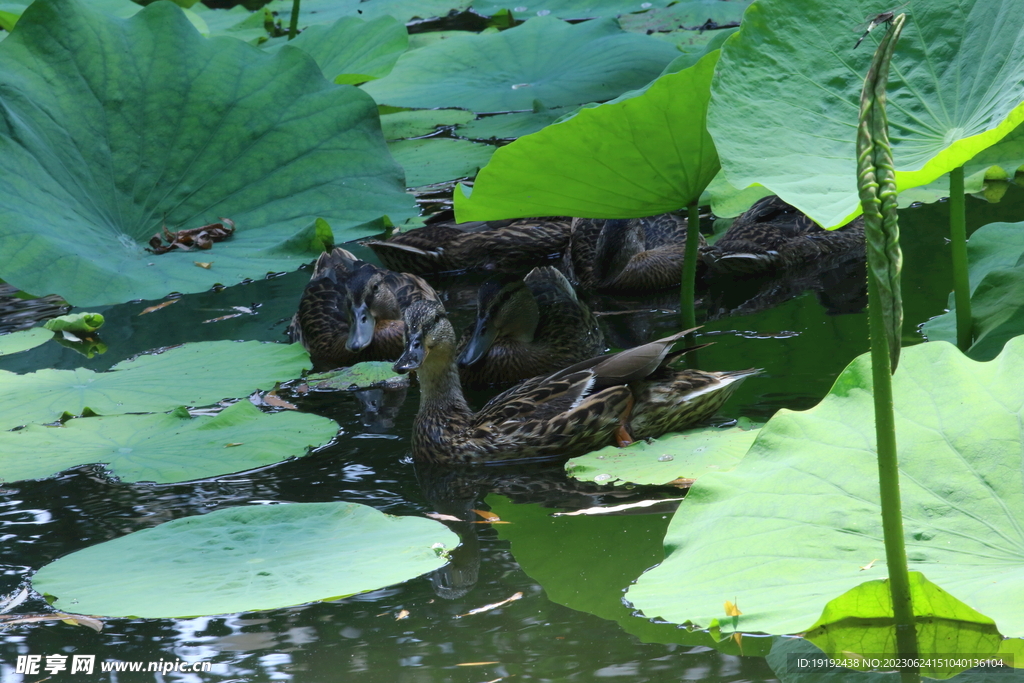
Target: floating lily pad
(508, 71)
(313, 12)
(257, 557)
(785, 102)
(83, 323)
(643, 154)
(797, 522)
(686, 456)
(352, 50)
(214, 128)
(417, 122)
(435, 160)
(236, 22)
(364, 375)
(23, 340)
(194, 374)
(164, 448)
(995, 256)
(693, 14)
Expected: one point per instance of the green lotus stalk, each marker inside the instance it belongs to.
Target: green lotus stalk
(958, 237)
(293, 28)
(877, 186)
(687, 286)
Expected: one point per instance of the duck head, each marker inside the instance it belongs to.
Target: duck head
(505, 309)
(428, 334)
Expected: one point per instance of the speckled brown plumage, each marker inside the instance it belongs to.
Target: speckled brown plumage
(773, 235)
(527, 327)
(557, 416)
(343, 286)
(626, 255)
(496, 245)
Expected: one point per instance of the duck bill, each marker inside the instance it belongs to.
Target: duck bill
(360, 333)
(478, 346)
(413, 355)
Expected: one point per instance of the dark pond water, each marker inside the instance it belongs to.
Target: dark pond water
(571, 624)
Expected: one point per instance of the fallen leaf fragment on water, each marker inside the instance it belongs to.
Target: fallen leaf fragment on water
(223, 317)
(732, 610)
(203, 264)
(442, 517)
(615, 508)
(159, 306)
(478, 664)
(402, 615)
(73, 619)
(869, 565)
(487, 608)
(489, 516)
(738, 639)
(237, 443)
(682, 483)
(272, 399)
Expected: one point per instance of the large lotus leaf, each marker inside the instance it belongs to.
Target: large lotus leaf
(163, 448)
(784, 106)
(23, 340)
(352, 50)
(236, 22)
(329, 11)
(436, 160)
(571, 9)
(995, 257)
(508, 71)
(687, 15)
(638, 156)
(11, 10)
(580, 562)
(665, 460)
(417, 122)
(114, 127)
(256, 557)
(194, 374)
(793, 524)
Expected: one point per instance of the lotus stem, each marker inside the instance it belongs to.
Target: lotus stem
(877, 187)
(688, 284)
(958, 237)
(293, 28)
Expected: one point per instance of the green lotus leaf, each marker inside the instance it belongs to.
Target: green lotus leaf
(995, 258)
(257, 557)
(23, 340)
(688, 455)
(569, 9)
(163, 448)
(11, 10)
(792, 526)
(510, 126)
(687, 15)
(417, 122)
(313, 12)
(116, 127)
(784, 112)
(193, 374)
(363, 375)
(641, 155)
(418, 40)
(510, 70)
(352, 50)
(75, 322)
(435, 160)
(236, 22)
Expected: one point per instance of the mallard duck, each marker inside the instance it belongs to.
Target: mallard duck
(773, 235)
(495, 245)
(630, 394)
(627, 255)
(351, 310)
(527, 327)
